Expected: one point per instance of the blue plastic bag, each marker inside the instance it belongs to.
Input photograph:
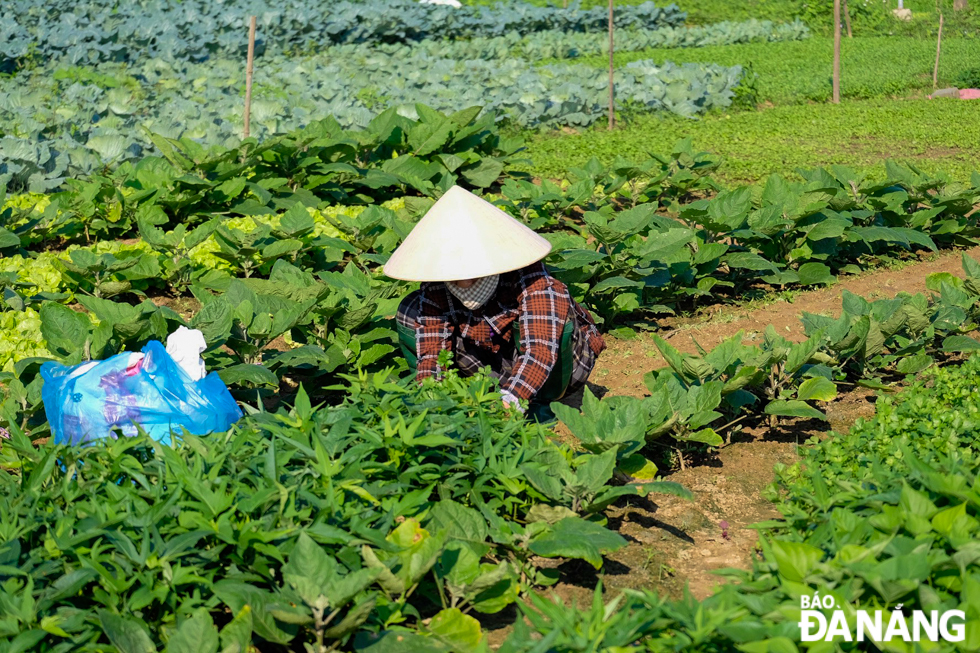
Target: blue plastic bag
(85, 402)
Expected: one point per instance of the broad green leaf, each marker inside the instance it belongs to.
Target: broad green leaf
(577, 538)
(704, 436)
(64, 330)
(239, 596)
(638, 468)
(916, 502)
(8, 239)
(817, 389)
(914, 364)
(460, 522)
(127, 634)
(944, 521)
(596, 471)
(485, 173)
(458, 631)
(195, 635)
(311, 572)
(793, 408)
(231, 189)
(960, 343)
(795, 560)
(815, 273)
(253, 374)
(667, 487)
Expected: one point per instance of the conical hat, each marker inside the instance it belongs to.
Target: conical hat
(464, 237)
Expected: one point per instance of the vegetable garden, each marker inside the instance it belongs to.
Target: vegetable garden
(353, 509)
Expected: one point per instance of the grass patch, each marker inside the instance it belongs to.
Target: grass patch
(936, 135)
(794, 72)
(868, 17)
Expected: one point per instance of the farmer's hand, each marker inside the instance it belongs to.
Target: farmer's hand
(510, 401)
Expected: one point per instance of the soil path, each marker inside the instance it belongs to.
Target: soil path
(621, 367)
(676, 543)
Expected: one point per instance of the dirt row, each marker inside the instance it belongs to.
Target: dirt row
(676, 543)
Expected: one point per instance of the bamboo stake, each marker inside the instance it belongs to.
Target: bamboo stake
(939, 45)
(836, 99)
(847, 21)
(248, 74)
(612, 92)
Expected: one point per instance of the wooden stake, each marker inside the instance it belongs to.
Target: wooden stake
(939, 45)
(836, 99)
(847, 21)
(248, 74)
(612, 92)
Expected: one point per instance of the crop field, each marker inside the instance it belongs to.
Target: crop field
(789, 289)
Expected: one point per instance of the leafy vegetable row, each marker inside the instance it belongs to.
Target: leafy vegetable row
(556, 44)
(196, 31)
(66, 120)
(696, 398)
(300, 529)
(646, 259)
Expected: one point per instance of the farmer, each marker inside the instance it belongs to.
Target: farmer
(487, 298)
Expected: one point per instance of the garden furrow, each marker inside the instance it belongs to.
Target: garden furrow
(621, 368)
(680, 544)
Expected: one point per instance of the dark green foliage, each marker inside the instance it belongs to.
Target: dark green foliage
(883, 516)
(293, 528)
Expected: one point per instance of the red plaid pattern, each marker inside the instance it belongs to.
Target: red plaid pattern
(541, 305)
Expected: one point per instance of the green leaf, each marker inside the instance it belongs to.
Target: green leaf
(704, 436)
(485, 173)
(916, 503)
(637, 467)
(127, 634)
(310, 571)
(596, 471)
(815, 273)
(236, 636)
(667, 487)
(817, 389)
(427, 137)
(214, 321)
(459, 522)
(914, 364)
(749, 261)
(795, 560)
(232, 188)
(935, 281)
(244, 373)
(238, 596)
(960, 343)
(793, 408)
(195, 635)
(577, 538)
(460, 632)
(8, 239)
(64, 330)
(944, 520)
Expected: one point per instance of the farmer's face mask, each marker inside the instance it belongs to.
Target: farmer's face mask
(478, 294)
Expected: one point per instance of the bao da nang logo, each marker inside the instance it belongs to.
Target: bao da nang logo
(821, 619)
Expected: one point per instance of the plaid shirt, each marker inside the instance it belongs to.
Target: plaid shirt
(539, 302)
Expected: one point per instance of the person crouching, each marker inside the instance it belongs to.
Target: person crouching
(487, 297)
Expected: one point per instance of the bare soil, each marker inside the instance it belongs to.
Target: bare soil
(676, 544)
